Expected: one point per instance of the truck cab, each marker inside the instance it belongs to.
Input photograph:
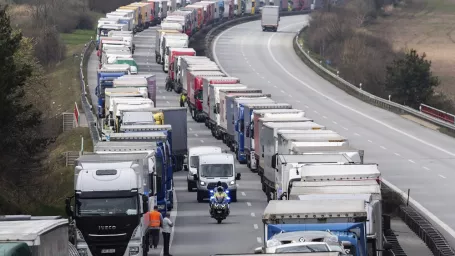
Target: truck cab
(213, 168)
(193, 162)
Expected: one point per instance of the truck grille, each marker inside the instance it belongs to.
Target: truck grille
(212, 185)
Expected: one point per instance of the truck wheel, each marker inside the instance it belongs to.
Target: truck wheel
(224, 138)
(157, 59)
(232, 148)
(248, 162)
(200, 197)
(190, 188)
(234, 197)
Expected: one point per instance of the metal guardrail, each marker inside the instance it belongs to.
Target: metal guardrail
(88, 109)
(361, 94)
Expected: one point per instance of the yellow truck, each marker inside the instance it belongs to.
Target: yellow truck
(137, 13)
(146, 9)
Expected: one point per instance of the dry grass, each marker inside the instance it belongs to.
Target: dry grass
(428, 26)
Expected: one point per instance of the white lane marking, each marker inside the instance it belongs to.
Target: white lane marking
(410, 160)
(382, 147)
(255, 226)
(164, 97)
(259, 240)
(334, 122)
(356, 134)
(315, 112)
(174, 213)
(290, 96)
(253, 215)
(370, 141)
(167, 102)
(202, 141)
(269, 82)
(243, 194)
(344, 128)
(426, 168)
(397, 154)
(442, 176)
(297, 101)
(324, 117)
(160, 91)
(190, 129)
(275, 86)
(341, 104)
(196, 134)
(390, 185)
(282, 91)
(248, 203)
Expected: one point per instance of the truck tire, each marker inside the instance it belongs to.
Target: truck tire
(157, 59)
(248, 161)
(190, 188)
(234, 197)
(200, 197)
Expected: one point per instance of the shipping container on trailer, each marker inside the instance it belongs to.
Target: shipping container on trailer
(247, 118)
(154, 13)
(188, 64)
(208, 11)
(214, 100)
(254, 124)
(286, 121)
(182, 20)
(223, 108)
(180, 71)
(231, 118)
(199, 13)
(193, 71)
(151, 84)
(205, 95)
(173, 56)
(189, 17)
(145, 12)
(160, 33)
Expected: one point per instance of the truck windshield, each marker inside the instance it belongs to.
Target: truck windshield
(194, 161)
(217, 170)
(107, 206)
(304, 248)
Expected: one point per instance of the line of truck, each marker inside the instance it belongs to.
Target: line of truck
(313, 179)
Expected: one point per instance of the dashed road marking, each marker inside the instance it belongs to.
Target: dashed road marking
(196, 134)
(426, 168)
(202, 141)
(243, 194)
(442, 176)
(255, 226)
(253, 215)
(334, 122)
(248, 203)
(397, 154)
(259, 240)
(356, 134)
(382, 147)
(410, 160)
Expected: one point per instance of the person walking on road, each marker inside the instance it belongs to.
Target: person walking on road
(182, 99)
(167, 228)
(156, 221)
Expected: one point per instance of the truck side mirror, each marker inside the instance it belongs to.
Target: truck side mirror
(274, 161)
(387, 246)
(195, 177)
(68, 210)
(185, 167)
(145, 204)
(237, 176)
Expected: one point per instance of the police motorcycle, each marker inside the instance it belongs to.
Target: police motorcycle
(219, 205)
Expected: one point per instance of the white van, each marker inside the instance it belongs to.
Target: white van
(193, 162)
(213, 168)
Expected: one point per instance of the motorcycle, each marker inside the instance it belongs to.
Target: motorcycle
(219, 207)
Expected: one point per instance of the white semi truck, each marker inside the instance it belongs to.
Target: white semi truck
(112, 203)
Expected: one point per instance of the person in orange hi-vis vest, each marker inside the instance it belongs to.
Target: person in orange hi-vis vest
(156, 221)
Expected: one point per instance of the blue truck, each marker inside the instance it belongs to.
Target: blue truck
(239, 109)
(105, 80)
(346, 218)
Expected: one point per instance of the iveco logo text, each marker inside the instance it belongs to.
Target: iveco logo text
(107, 227)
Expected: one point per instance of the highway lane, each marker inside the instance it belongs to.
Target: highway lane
(195, 232)
(409, 155)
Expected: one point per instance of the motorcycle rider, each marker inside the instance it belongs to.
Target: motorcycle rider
(219, 196)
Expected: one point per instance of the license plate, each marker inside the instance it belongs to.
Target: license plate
(108, 251)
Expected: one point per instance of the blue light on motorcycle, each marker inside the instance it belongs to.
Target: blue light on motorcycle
(211, 191)
(227, 191)
(228, 198)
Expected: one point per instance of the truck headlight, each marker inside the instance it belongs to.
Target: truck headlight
(134, 250)
(232, 182)
(82, 251)
(202, 183)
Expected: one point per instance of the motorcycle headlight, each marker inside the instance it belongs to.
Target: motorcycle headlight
(202, 183)
(82, 251)
(211, 191)
(273, 243)
(134, 250)
(228, 198)
(232, 182)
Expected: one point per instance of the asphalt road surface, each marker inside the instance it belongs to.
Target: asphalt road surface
(195, 232)
(409, 155)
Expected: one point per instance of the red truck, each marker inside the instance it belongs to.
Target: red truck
(194, 88)
(173, 56)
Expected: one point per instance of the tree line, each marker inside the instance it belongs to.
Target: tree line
(337, 33)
